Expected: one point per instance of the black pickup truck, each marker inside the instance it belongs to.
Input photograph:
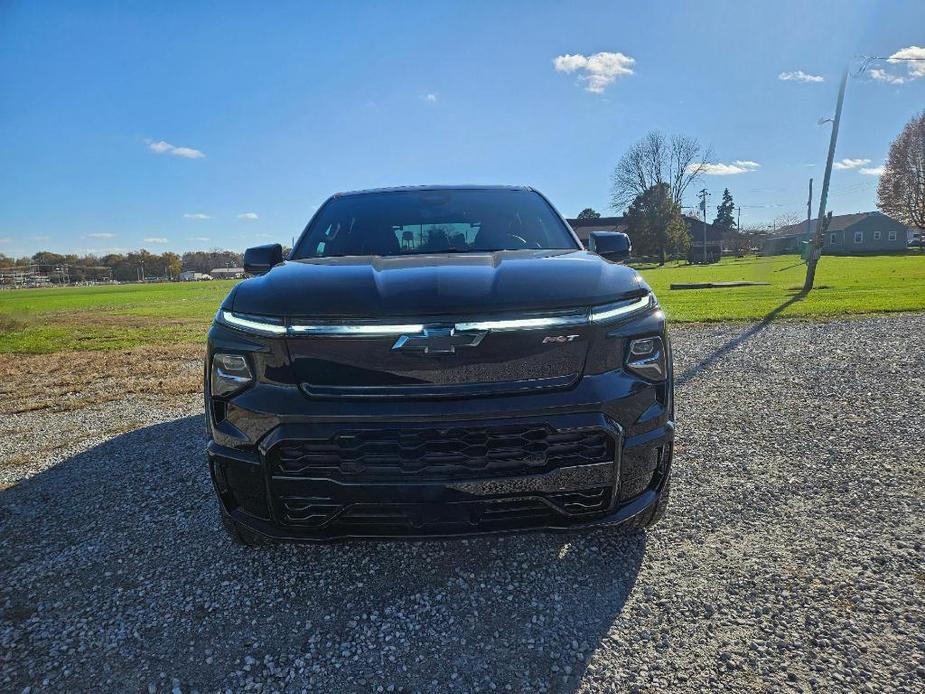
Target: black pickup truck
(438, 361)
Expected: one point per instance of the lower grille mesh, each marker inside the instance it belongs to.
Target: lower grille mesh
(490, 513)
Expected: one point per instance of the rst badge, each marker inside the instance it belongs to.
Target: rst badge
(559, 338)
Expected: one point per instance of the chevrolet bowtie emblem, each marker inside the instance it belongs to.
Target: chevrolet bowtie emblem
(438, 341)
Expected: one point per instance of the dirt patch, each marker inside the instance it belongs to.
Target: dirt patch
(8, 324)
(122, 321)
(71, 380)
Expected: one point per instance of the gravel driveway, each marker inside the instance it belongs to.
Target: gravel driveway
(791, 558)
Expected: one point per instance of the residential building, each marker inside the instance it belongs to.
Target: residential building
(848, 234)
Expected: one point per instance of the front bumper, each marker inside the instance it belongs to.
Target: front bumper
(575, 484)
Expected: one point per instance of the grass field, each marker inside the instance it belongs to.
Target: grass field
(131, 315)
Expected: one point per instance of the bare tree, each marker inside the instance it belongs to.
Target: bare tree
(901, 191)
(676, 161)
(787, 219)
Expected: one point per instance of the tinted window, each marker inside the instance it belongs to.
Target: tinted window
(433, 221)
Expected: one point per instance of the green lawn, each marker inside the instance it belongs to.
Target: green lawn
(122, 316)
(844, 285)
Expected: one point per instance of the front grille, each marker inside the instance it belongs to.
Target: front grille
(487, 514)
(436, 453)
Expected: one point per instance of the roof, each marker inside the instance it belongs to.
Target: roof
(839, 223)
(584, 227)
(405, 189)
(695, 230)
(599, 221)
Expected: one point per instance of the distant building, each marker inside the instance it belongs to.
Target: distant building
(707, 245)
(784, 243)
(227, 273)
(848, 234)
(190, 276)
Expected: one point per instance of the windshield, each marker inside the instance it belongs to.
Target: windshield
(433, 221)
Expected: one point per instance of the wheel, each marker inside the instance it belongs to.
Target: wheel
(655, 513)
(240, 535)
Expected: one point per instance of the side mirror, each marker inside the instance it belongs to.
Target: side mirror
(612, 245)
(259, 259)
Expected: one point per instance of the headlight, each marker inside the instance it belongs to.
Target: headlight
(646, 357)
(230, 373)
(261, 325)
(622, 309)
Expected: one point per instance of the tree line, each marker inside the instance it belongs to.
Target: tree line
(124, 267)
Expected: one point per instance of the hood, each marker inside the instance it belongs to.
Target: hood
(420, 285)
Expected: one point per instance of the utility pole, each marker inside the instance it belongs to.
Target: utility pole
(703, 194)
(809, 215)
(815, 249)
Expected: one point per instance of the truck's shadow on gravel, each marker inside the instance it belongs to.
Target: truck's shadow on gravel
(115, 571)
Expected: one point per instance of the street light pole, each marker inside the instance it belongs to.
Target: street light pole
(703, 205)
(815, 249)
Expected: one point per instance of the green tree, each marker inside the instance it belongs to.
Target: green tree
(47, 258)
(172, 264)
(724, 213)
(589, 213)
(656, 226)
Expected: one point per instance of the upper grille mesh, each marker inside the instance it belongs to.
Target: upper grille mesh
(442, 453)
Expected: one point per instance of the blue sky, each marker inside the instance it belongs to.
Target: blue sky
(105, 108)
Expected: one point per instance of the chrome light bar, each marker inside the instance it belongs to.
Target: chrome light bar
(598, 314)
(371, 330)
(523, 323)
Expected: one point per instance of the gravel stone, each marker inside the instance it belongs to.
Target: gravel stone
(791, 558)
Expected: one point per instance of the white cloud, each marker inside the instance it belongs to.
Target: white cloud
(800, 76)
(430, 98)
(43, 237)
(6, 239)
(873, 170)
(248, 215)
(739, 166)
(197, 215)
(600, 69)
(187, 152)
(914, 59)
(100, 235)
(99, 251)
(884, 76)
(156, 239)
(161, 147)
(198, 238)
(850, 163)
